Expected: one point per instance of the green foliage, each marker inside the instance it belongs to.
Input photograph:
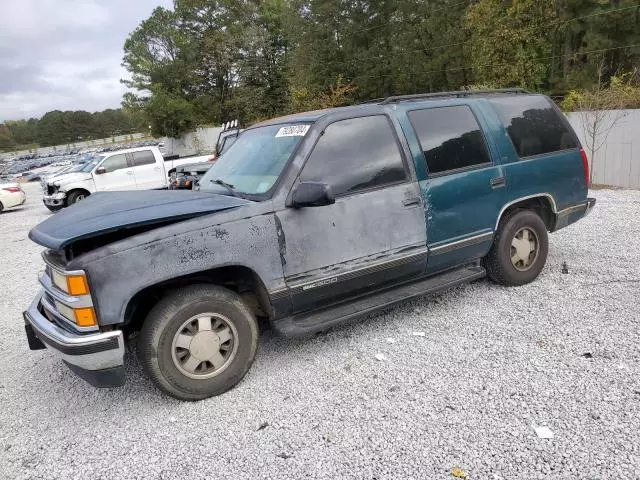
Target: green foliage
(169, 114)
(209, 61)
(509, 41)
(622, 92)
(57, 128)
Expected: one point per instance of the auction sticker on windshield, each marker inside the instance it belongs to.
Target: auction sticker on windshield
(293, 131)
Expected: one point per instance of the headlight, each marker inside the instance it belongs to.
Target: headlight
(71, 284)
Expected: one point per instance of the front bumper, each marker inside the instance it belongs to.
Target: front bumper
(55, 200)
(98, 358)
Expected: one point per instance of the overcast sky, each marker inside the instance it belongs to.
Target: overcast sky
(64, 54)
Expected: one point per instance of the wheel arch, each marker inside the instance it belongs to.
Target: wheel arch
(238, 278)
(77, 189)
(542, 203)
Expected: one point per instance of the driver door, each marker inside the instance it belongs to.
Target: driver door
(118, 176)
(373, 235)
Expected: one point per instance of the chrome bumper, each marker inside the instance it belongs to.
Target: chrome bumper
(55, 200)
(96, 357)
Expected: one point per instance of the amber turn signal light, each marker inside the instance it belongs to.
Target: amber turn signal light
(77, 285)
(85, 317)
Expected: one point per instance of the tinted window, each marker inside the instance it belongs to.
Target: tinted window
(116, 162)
(535, 127)
(145, 157)
(450, 137)
(356, 154)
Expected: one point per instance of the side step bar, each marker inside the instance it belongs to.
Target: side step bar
(319, 320)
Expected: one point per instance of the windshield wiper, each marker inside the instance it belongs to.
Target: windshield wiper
(230, 188)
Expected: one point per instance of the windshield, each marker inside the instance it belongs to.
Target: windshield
(87, 166)
(226, 142)
(255, 160)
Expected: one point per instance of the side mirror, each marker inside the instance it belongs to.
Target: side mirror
(100, 170)
(311, 194)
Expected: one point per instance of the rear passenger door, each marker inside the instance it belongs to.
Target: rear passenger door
(147, 172)
(464, 189)
(375, 232)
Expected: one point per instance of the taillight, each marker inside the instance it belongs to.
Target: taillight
(12, 189)
(585, 164)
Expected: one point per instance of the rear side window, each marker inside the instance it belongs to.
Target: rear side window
(534, 125)
(450, 137)
(144, 157)
(356, 154)
(116, 162)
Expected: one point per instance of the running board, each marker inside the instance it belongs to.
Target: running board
(319, 320)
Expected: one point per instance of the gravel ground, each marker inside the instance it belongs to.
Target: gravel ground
(493, 364)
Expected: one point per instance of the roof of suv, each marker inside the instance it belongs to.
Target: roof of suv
(314, 115)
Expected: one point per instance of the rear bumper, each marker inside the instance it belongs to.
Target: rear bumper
(574, 213)
(14, 199)
(55, 200)
(98, 358)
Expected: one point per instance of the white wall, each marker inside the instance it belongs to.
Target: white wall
(201, 142)
(617, 163)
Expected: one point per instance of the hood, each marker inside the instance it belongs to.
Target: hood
(106, 212)
(64, 178)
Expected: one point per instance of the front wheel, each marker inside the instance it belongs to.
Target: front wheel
(75, 197)
(198, 342)
(519, 249)
(53, 208)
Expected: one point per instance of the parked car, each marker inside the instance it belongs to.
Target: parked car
(130, 169)
(185, 177)
(309, 221)
(11, 195)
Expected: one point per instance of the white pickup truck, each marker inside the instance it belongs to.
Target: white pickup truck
(141, 168)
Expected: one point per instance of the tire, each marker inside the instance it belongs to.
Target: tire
(53, 209)
(506, 262)
(1, 207)
(76, 196)
(168, 363)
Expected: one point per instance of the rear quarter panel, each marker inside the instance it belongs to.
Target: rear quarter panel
(560, 174)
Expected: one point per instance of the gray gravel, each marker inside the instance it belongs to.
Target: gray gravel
(562, 352)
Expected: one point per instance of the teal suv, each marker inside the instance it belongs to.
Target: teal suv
(306, 222)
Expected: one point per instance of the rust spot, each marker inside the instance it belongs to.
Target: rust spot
(282, 242)
(220, 233)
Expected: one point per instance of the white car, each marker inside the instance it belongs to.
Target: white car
(142, 168)
(11, 195)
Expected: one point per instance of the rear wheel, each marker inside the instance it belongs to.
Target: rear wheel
(1, 207)
(198, 342)
(77, 196)
(519, 249)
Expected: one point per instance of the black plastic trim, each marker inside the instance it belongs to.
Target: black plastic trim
(107, 378)
(354, 308)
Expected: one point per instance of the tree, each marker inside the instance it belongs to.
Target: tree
(510, 42)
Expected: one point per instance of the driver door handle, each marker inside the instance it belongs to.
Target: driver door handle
(408, 202)
(129, 172)
(498, 182)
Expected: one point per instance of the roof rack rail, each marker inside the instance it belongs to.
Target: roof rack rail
(455, 94)
(373, 100)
